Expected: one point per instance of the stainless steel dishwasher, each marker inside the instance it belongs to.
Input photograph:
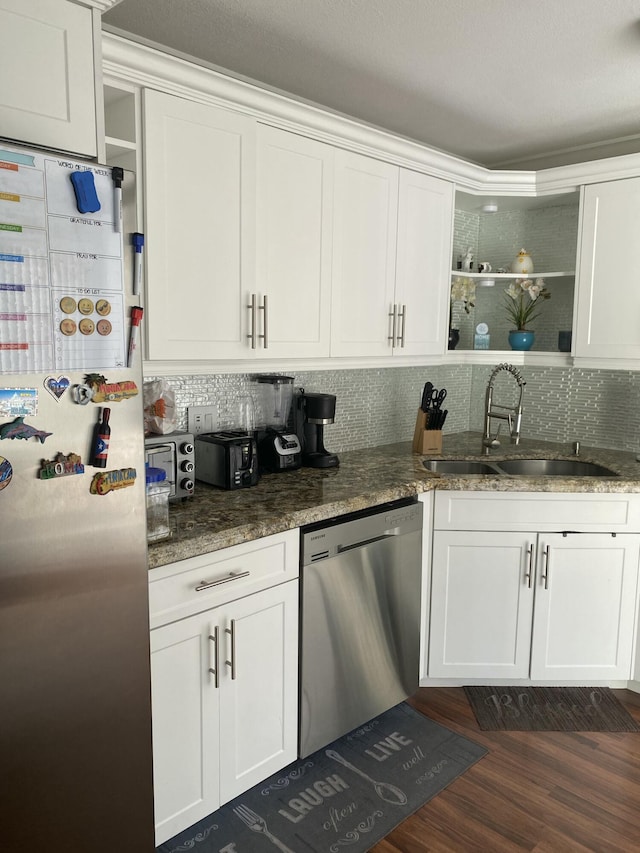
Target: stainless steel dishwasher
(360, 585)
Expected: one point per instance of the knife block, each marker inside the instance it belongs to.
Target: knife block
(426, 440)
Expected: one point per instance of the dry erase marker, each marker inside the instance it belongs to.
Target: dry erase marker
(138, 243)
(136, 317)
(117, 176)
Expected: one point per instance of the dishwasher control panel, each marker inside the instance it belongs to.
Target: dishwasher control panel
(327, 539)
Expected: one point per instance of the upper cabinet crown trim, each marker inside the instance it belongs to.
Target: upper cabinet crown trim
(188, 77)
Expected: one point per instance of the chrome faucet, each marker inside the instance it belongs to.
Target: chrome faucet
(512, 414)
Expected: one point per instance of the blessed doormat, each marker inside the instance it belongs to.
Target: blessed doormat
(549, 709)
(348, 795)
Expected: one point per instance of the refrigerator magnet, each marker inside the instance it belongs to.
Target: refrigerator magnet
(6, 473)
(109, 481)
(18, 401)
(60, 466)
(82, 394)
(56, 386)
(18, 429)
(103, 391)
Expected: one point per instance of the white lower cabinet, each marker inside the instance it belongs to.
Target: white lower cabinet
(544, 606)
(224, 699)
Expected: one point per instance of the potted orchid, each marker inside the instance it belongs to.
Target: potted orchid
(524, 303)
(463, 289)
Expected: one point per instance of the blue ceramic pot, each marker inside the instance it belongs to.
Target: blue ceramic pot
(521, 339)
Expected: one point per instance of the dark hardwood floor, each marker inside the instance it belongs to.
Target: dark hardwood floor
(549, 792)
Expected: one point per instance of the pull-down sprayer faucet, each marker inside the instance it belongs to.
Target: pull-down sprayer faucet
(512, 414)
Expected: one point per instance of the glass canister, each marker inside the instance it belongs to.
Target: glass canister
(158, 490)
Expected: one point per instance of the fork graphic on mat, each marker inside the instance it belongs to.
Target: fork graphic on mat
(259, 824)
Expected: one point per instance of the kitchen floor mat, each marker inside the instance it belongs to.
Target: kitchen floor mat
(349, 794)
(549, 709)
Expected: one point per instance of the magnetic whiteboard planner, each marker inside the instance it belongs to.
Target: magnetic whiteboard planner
(61, 271)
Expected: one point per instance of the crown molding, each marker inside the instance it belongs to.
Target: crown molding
(147, 66)
(102, 6)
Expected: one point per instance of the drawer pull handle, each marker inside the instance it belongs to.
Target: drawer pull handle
(230, 577)
(232, 663)
(215, 637)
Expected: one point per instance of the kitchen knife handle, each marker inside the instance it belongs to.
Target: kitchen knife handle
(426, 396)
(394, 315)
(253, 307)
(402, 317)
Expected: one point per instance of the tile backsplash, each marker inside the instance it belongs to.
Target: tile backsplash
(378, 406)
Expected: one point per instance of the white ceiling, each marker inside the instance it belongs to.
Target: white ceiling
(515, 83)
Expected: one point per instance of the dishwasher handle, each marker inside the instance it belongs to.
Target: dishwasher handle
(389, 535)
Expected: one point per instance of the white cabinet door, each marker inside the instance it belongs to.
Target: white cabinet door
(586, 590)
(258, 722)
(200, 223)
(186, 712)
(47, 97)
(364, 255)
(293, 249)
(215, 737)
(608, 292)
(481, 604)
(425, 214)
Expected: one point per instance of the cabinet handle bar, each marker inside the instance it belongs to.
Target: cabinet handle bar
(232, 576)
(529, 573)
(545, 571)
(394, 319)
(402, 317)
(215, 638)
(265, 322)
(232, 663)
(253, 308)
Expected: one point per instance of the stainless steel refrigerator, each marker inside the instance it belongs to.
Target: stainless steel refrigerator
(75, 718)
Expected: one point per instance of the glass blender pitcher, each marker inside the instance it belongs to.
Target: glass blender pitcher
(278, 448)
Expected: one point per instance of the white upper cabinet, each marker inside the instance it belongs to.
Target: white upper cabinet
(392, 244)
(425, 210)
(200, 186)
(47, 70)
(364, 255)
(608, 298)
(293, 245)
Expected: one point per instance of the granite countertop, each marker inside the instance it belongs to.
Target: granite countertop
(216, 518)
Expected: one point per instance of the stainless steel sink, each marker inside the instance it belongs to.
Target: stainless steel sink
(520, 467)
(458, 466)
(554, 468)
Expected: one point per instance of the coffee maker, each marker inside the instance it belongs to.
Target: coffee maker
(278, 447)
(312, 412)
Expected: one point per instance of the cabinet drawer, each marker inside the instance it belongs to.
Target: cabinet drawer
(541, 511)
(200, 583)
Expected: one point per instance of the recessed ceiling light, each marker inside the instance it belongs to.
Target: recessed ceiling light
(490, 207)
